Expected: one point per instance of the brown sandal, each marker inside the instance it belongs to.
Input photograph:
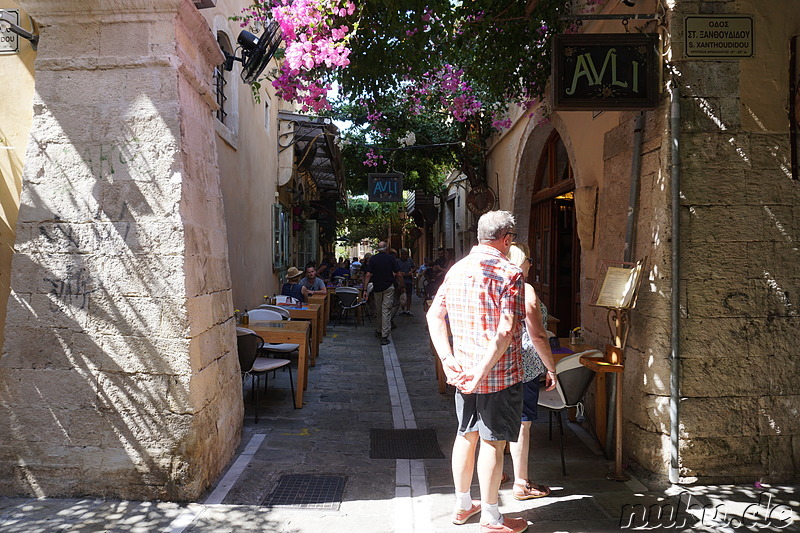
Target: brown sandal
(529, 491)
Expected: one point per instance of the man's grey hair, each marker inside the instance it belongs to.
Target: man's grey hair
(494, 225)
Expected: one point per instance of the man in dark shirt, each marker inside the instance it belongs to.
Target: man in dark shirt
(382, 271)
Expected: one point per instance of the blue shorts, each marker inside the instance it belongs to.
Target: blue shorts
(530, 400)
(495, 416)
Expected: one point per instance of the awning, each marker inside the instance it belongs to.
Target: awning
(421, 207)
(315, 153)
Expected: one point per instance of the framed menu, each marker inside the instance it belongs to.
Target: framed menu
(617, 285)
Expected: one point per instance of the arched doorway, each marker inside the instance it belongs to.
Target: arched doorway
(553, 237)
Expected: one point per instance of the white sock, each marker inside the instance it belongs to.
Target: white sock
(463, 501)
(490, 514)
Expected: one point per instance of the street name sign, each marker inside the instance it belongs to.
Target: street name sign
(718, 36)
(9, 41)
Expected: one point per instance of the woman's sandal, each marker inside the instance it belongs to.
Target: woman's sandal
(529, 491)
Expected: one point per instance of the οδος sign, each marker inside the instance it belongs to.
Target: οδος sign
(718, 36)
(606, 71)
(385, 187)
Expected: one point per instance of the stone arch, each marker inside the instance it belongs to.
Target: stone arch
(532, 141)
(556, 274)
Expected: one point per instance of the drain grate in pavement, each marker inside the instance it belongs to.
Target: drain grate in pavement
(404, 444)
(300, 491)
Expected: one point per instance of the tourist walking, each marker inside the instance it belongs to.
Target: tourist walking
(482, 298)
(382, 272)
(407, 268)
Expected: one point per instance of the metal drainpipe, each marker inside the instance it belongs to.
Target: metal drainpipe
(674, 376)
(630, 228)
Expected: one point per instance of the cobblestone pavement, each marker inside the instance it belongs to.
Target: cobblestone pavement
(358, 385)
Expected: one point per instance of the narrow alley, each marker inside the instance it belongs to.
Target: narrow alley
(358, 385)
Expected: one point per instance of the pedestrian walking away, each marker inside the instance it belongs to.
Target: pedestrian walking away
(482, 300)
(407, 268)
(382, 272)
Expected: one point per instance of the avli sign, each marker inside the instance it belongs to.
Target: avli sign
(606, 71)
(385, 187)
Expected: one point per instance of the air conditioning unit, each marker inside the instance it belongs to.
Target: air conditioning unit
(202, 4)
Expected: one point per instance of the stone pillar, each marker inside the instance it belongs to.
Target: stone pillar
(119, 375)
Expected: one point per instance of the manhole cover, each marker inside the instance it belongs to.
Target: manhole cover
(404, 444)
(307, 492)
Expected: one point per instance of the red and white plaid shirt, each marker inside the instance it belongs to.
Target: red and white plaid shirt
(476, 292)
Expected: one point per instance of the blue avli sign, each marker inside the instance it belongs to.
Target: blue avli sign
(385, 187)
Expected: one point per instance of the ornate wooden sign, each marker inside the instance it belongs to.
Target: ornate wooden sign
(480, 200)
(606, 71)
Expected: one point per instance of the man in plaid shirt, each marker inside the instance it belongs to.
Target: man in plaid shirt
(483, 299)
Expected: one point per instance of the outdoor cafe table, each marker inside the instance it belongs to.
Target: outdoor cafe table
(313, 313)
(289, 331)
(325, 301)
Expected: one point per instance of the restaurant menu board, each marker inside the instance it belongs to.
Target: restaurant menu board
(619, 286)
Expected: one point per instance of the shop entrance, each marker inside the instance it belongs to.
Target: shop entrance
(555, 273)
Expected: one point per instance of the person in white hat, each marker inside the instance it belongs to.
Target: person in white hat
(292, 287)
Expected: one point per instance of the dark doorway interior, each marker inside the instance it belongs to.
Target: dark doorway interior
(555, 273)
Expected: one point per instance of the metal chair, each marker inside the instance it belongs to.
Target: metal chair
(573, 382)
(268, 347)
(348, 299)
(248, 344)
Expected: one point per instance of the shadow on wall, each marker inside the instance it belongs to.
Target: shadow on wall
(104, 379)
(10, 187)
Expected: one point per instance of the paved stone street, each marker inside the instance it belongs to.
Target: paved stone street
(358, 385)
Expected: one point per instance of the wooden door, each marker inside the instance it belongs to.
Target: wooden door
(541, 245)
(555, 273)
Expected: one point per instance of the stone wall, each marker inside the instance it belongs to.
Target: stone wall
(119, 375)
(739, 261)
(646, 390)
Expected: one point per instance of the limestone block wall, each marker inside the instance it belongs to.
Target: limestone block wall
(119, 375)
(647, 373)
(739, 267)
